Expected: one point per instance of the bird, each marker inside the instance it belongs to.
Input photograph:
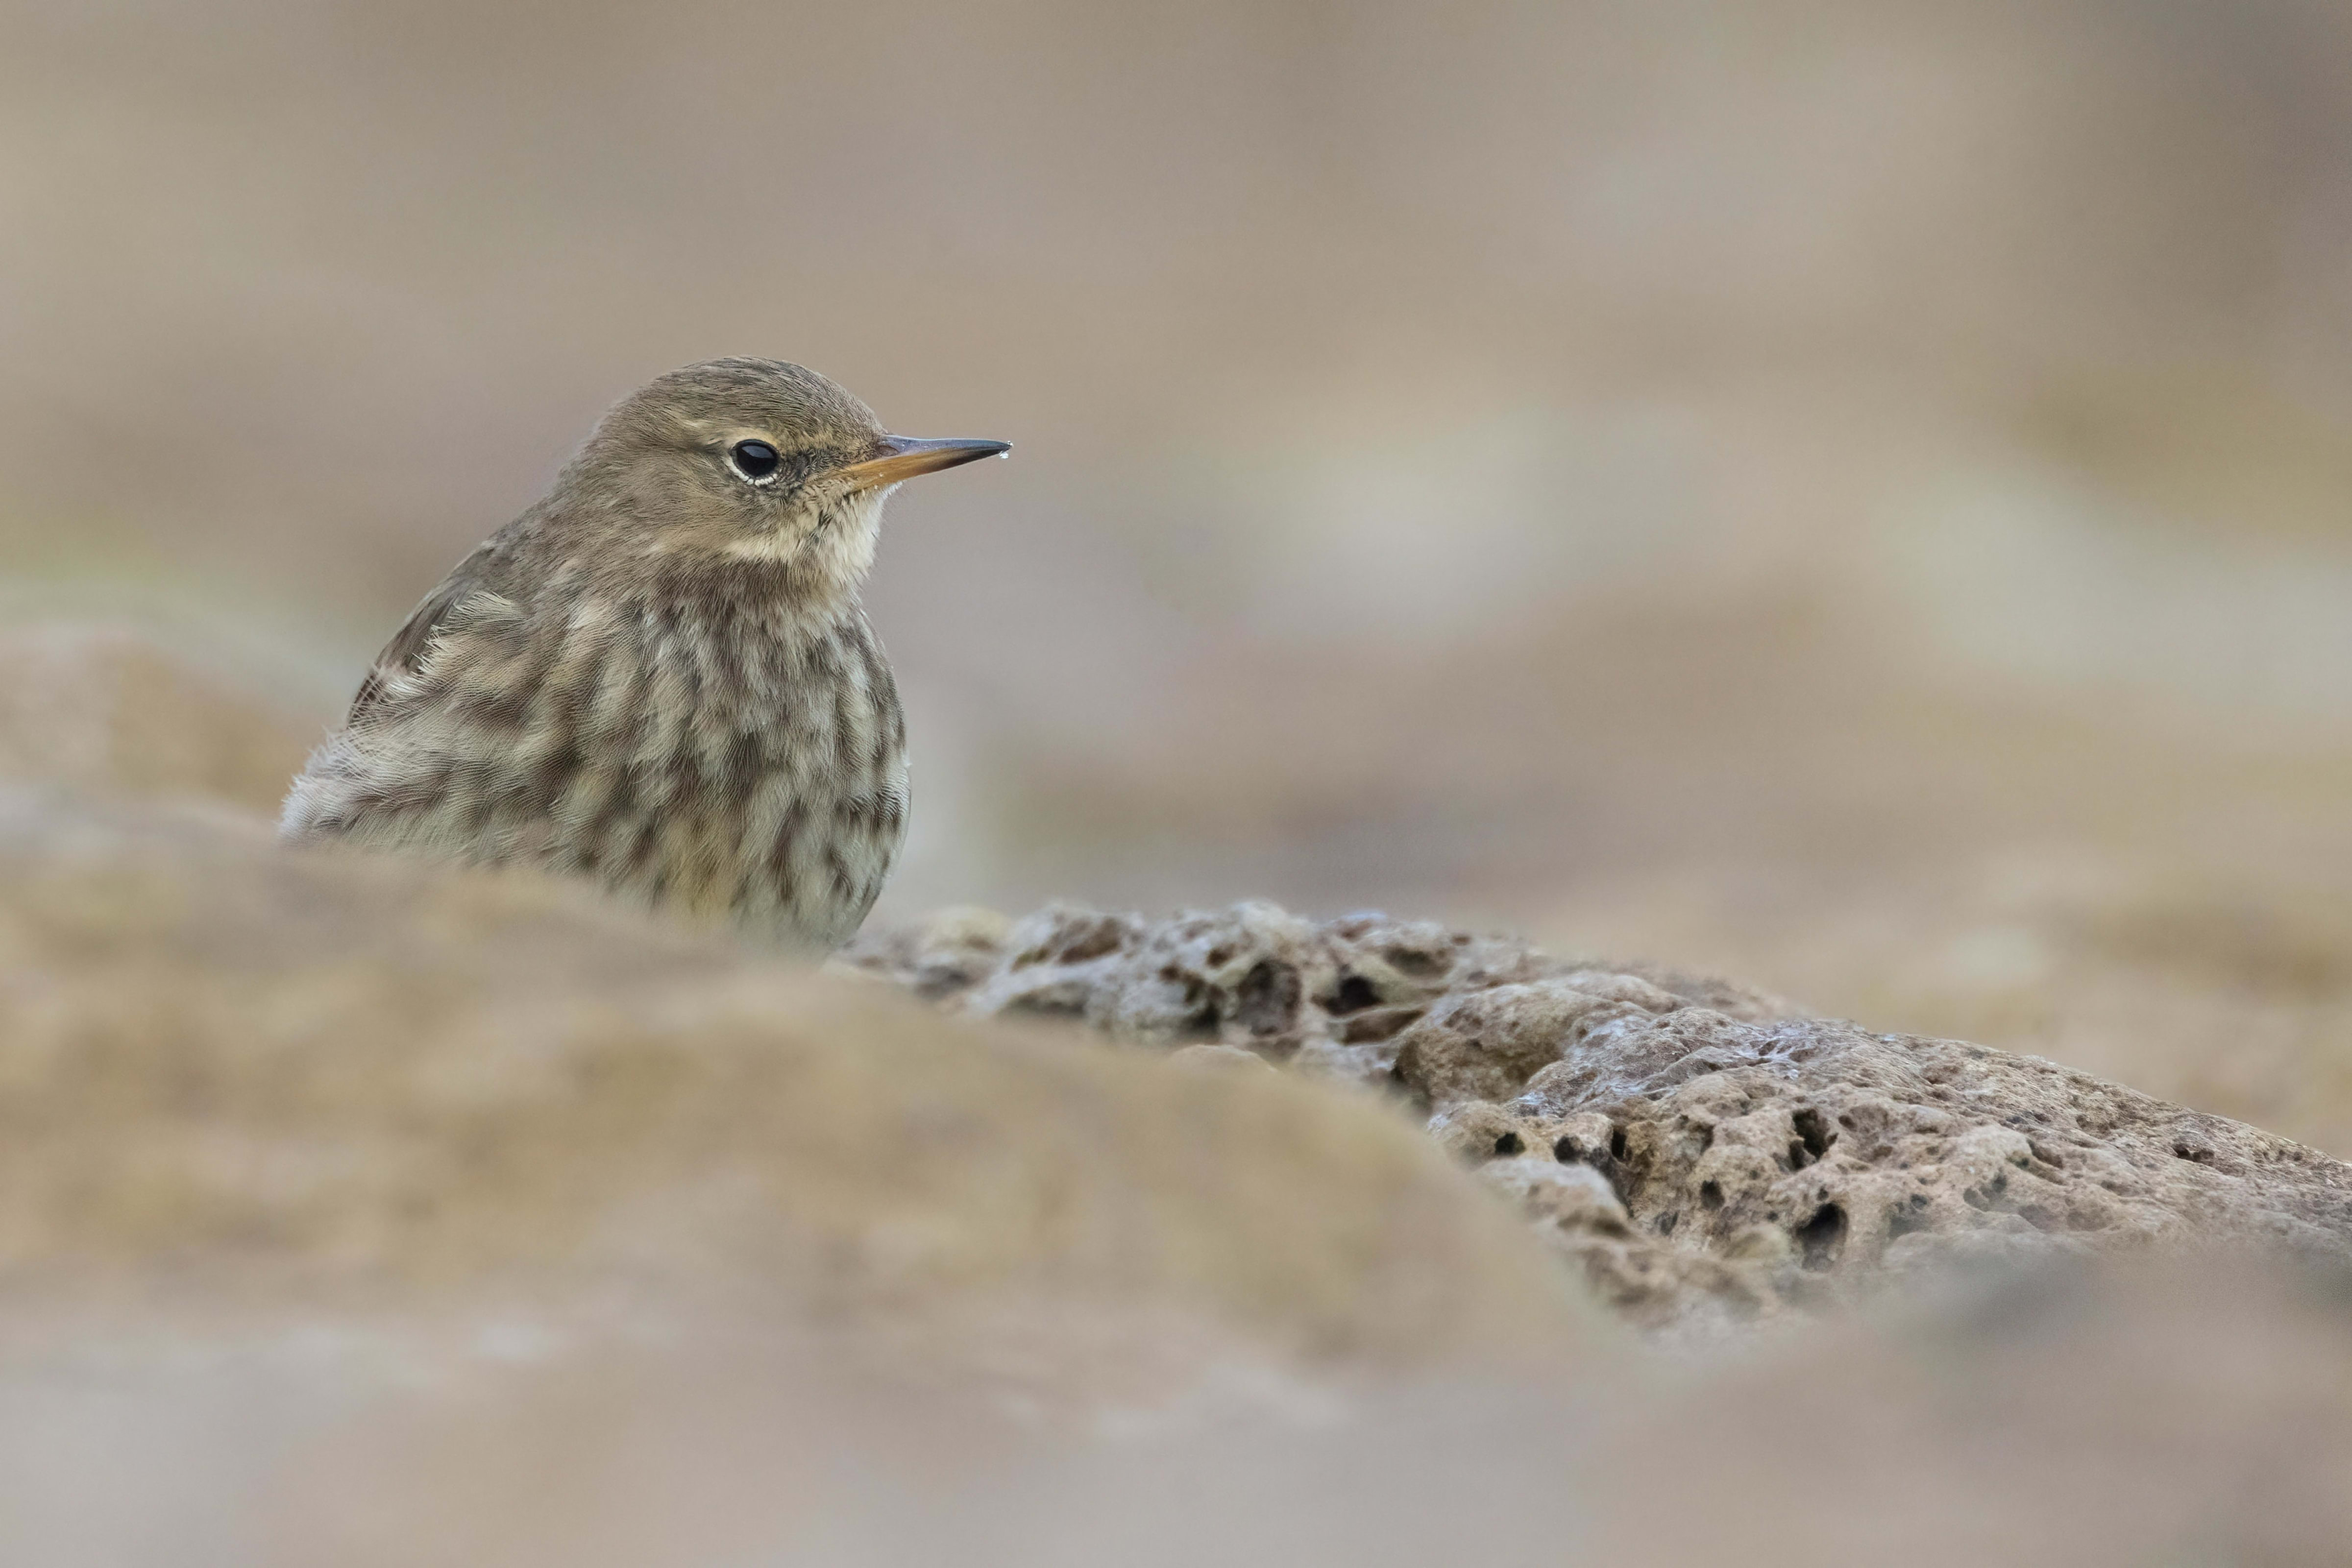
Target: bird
(660, 677)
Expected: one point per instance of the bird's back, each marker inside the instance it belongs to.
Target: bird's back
(692, 743)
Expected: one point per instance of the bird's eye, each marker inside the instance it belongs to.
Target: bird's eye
(755, 460)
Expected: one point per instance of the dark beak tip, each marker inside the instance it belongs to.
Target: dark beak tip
(956, 453)
(946, 453)
(905, 456)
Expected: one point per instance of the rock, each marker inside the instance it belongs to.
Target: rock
(264, 1075)
(1759, 1159)
(107, 708)
(340, 1192)
(948, 952)
(1335, 998)
(1657, 1285)
(1873, 1153)
(1483, 1044)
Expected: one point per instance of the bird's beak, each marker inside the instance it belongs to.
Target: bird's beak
(903, 457)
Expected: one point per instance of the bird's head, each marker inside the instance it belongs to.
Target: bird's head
(749, 460)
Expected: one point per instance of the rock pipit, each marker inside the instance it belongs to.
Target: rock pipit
(660, 675)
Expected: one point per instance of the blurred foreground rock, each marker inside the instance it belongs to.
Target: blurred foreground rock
(1705, 1155)
(2060, 1419)
(260, 1074)
(108, 708)
(2075, 1418)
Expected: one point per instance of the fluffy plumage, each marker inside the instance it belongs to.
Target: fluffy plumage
(660, 675)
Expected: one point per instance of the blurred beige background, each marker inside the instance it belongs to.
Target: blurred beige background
(1857, 496)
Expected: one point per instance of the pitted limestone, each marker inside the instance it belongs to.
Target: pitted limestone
(1702, 1151)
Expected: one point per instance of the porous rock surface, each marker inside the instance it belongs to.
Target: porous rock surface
(1706, 1154)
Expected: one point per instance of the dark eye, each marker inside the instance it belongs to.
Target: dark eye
(754, 459)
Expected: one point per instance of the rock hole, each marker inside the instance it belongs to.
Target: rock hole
(1666, 1222)
(2190, 1152)
(1090, 940)
(1566, 1152)
(1616, 1142)
(1417, 962)
(1984, 1195)
(1203, 1014)
(1267, 998)
(1710, 1195)
(1507, 1145)
(1220, 956)
(1355, 994)
(1813, 1137)
(1822, 1235)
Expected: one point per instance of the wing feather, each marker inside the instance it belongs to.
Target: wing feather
(407, 652)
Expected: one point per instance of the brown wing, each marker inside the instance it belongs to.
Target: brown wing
(404, 654)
